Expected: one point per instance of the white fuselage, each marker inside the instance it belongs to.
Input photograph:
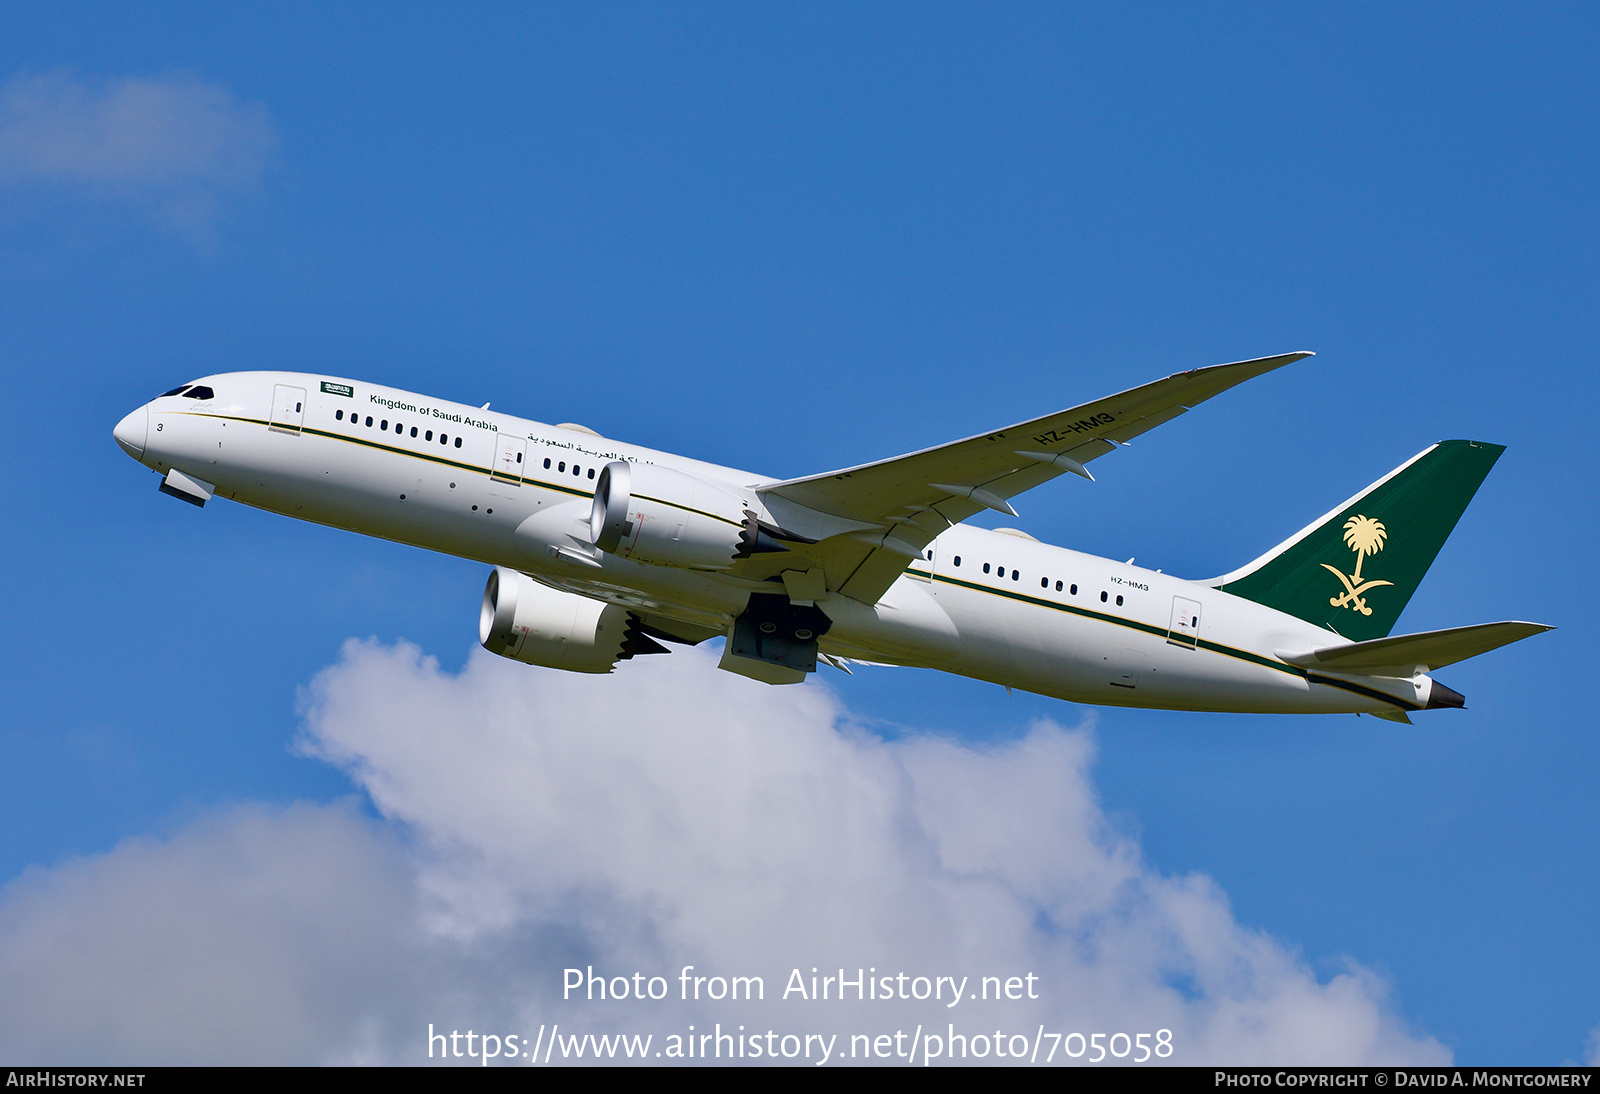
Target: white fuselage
(990, 605)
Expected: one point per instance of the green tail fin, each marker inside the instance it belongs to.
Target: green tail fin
(1354, 570)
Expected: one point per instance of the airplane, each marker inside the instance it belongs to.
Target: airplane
(602, 551)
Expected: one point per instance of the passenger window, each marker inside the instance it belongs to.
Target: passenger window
(562, 466)
(519, 457)
(179, 390)
(1103, 597)
(296, 406)
(413, 431)
(458, 442)
(338, 415)
(1074, 590)
(443, 439)
(384, 425)
(369, 419)
(1044, 583)
(1119, 600)
(428, 436)
(985, 567)
(576, 470)
(1058, 587)
(1015, 574)
(958, 560)
(547, 463)
(591, 471)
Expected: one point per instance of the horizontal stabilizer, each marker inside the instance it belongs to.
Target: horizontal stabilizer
(1406, 655)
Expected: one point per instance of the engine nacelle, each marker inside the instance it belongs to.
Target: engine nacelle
(530, 622)
(657, 515)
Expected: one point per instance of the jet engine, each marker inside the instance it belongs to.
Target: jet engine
(530, 622)
(657, 515)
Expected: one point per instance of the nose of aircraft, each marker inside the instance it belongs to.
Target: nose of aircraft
(131, 432)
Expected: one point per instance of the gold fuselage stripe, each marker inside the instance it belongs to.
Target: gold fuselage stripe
(1087, 613)
(329, 434)
(1205, 644)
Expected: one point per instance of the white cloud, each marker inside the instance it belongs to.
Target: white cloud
(257, 936)
(669, 815)
(1591, 1054)
(172, 145)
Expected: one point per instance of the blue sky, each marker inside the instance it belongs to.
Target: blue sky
(792, 239)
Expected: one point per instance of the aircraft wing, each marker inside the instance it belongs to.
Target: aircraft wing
(870, 521)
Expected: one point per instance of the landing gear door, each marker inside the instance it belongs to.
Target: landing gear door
(1185, 629)
(288, 408)
(510, 454)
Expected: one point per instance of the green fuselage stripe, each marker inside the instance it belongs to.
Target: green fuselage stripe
(1160, 632)
(1087, 613)
(496, 475)
(577, 492)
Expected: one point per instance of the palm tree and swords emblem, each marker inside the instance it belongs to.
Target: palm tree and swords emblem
(1364, 536)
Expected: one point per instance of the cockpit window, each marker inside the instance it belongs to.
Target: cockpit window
(199, 392)
(179, 390)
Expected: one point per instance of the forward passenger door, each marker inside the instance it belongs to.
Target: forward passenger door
(288, 408)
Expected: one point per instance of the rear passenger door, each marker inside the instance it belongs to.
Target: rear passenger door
(1185, 627)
